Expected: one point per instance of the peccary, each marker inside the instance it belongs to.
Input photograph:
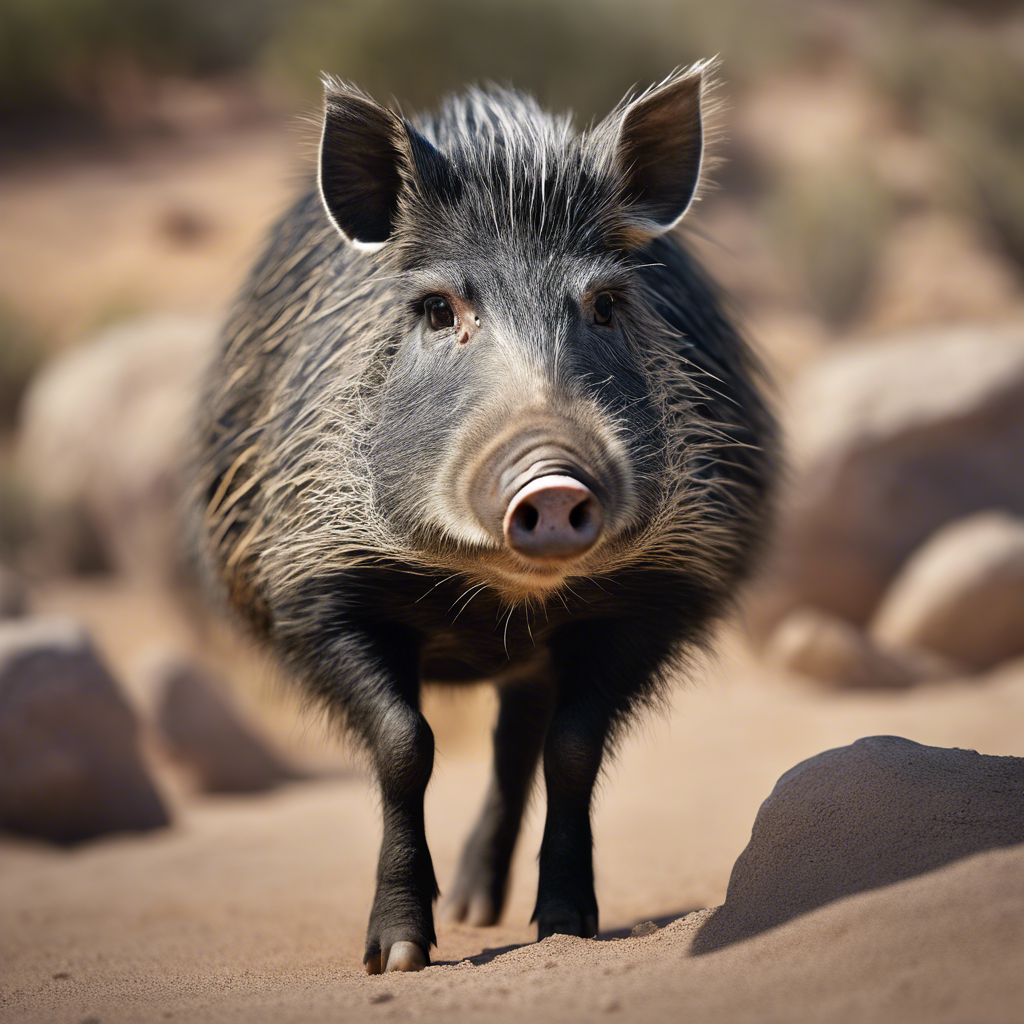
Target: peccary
(479, 416)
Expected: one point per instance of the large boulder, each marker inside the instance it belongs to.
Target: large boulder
(961, 593)
(208, 734)
(13, 594)
(102, 443)
(70, 767)
(834, 651)
(889, 441)
(860, 817)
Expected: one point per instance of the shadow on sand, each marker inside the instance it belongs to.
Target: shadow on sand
(487, 955)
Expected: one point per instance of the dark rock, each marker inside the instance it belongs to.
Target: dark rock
(208, 734)
(860, 817)
(70, 767)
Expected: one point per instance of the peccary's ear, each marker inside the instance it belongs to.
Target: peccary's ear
(365, 162)
(659, 150)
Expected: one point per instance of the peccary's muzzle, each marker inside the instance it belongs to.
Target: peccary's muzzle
(547, 497)
(553, 518)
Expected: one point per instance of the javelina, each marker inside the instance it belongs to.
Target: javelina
(478, 415)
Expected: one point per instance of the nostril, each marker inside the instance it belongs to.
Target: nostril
(579, 516)
(528, 516)
(553, 518)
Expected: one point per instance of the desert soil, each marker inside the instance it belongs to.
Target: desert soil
(253, 909)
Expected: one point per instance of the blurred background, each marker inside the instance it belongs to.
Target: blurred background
(868, 228)
(868, 225)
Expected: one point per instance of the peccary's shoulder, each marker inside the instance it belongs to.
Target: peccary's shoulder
(693, 305)
(718, 375)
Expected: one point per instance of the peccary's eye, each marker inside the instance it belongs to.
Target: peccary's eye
(603, 305)
(440, 314)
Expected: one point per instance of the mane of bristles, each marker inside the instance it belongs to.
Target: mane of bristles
(525, 176)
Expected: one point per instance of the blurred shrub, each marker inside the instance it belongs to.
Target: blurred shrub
(984, 134)
(831, 220)
(60, 51)
(582, 54)
(21, 354)
(961, 83)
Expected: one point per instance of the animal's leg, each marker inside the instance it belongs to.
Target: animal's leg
(383, 711)
(481, 881)
(603, 671)
(566, 902)
(401, 928)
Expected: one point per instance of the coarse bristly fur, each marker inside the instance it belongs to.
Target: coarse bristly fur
(343, 449)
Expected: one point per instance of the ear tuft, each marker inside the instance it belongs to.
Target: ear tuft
(659, 150)
(364, 151)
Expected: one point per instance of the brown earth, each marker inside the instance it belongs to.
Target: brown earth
(171, 224)
(254, 908)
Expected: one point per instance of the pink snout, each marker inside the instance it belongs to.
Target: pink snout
(553, 518)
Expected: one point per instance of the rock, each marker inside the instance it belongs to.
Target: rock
(860, 817)
(961, 593)
(832, 650)
(639, 931)
(937, 268)
(208, 734)
(890, 441)
(13, 594)
(102, 443)
(69, 760)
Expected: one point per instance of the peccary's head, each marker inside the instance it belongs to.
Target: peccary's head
(517, 432)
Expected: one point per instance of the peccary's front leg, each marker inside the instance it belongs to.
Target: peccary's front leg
(371, 670)
(572, 759)
(604, 670)
(478, 894)
(401, 928)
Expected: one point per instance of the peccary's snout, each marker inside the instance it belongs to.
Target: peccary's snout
(553, 518)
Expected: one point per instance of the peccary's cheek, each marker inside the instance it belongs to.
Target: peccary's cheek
(424, 401)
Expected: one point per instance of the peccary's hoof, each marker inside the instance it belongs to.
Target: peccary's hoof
(402, 956)
(478, 894)
(562, 919)
(477, 910)
(406, 956)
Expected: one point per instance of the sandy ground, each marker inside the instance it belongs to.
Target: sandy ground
(254, 909)
(172, 224)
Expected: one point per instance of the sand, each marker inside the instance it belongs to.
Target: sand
(253, 909)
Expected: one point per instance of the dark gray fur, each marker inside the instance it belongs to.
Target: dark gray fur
(333, 422)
